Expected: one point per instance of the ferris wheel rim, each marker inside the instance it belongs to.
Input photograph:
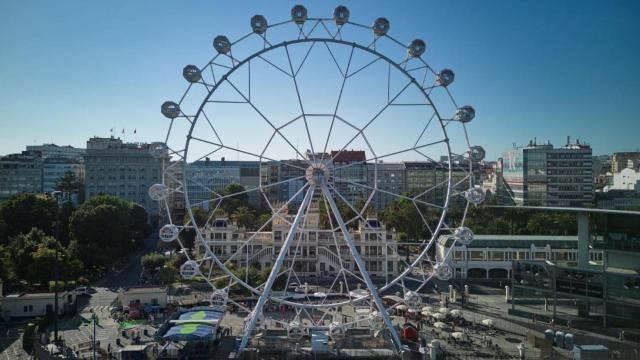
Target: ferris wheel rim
(412, 81)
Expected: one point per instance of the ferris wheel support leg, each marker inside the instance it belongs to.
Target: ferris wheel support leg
(363, 270)
(276, 269)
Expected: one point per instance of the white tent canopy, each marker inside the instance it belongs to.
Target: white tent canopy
(487, 322)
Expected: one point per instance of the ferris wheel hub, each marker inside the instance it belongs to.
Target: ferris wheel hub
(317, 174)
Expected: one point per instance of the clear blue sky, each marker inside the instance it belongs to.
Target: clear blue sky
(70, 70)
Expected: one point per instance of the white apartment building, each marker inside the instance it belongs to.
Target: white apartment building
(315, 252)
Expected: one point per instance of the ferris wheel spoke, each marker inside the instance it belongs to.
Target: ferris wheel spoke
(379, 157)
(276, 267)
(275, 66)
(291, 268)
(386, 192)
(385, 107)
(304, 118)
(304, 59)
(335, 242)
(424, 220)
(265, 119)
(247, 153)
(425, 129)
(360, 264)
(335, 110)
(360, 216)
(273, 216)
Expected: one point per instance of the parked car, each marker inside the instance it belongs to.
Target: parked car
(81, 290)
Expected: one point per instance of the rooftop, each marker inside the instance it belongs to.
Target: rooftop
(145, 290)
(33, 295)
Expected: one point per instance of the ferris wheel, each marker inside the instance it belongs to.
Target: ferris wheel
(291, 101)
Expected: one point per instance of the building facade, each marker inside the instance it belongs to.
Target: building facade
(491, 256)
(620, 161)
(174, 178)
(21, 306)
(125, 170)
(389, 178)
(57, 151)
(544, 175)
(206, 178)
(314, 250)
(20, 173)
(54, 169)
(350, 175)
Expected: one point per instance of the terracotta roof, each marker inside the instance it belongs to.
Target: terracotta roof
(347, 156)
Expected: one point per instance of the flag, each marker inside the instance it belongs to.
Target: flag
(123, 130)
(135, 131)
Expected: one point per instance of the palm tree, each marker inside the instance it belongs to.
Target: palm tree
(243, 217)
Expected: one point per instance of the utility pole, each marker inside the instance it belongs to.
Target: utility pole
(94, 335)
(55, 287)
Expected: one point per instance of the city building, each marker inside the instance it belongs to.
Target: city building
(626, 179)
(316, 256)
(620, 161)
(492, 256)
(349, 171)
(294, 171)
(389, 178)
(491, 176)
(544, 175)
(30, 305)
(618, 200)
(205, 178)
(55, 168)
(56, 151)
(125, 170)
(174, 178)
(20, 173)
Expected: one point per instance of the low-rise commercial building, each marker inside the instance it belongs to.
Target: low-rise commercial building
(143, 297)
(491, 256)
(17, 306)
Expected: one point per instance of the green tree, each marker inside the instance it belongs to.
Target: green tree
(22, 212)
(69, 184)
(21, 251)
(244, 217)
(33, 258)
(44, 261)
(230, 204)
(103, 231)
(62, 226)
(140, 228)
(168, 273)
(152, 263)
(188, 235)
(262, 219)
